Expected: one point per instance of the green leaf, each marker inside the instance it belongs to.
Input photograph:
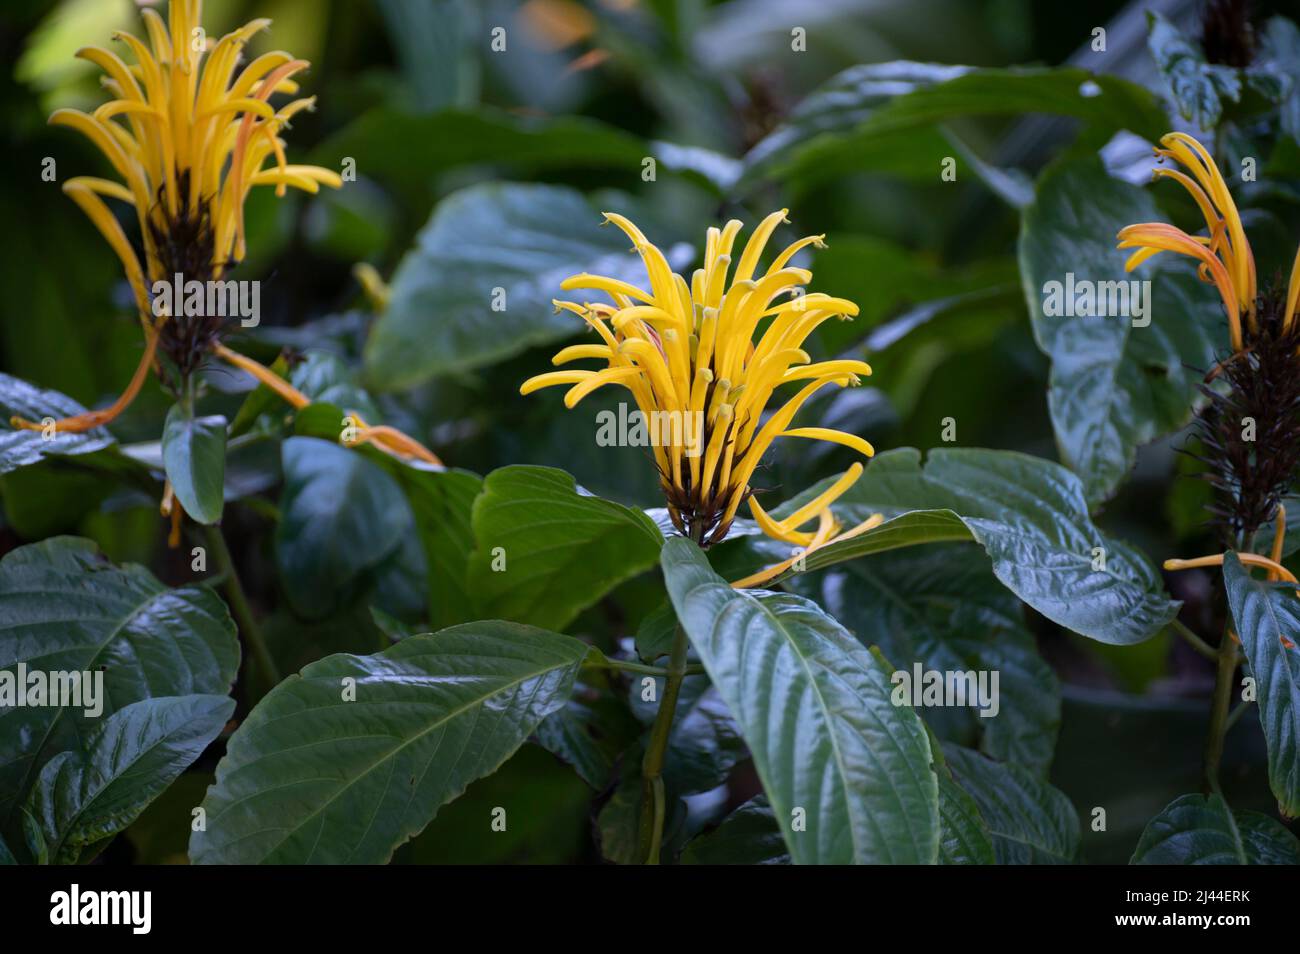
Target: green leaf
(1113, 386)
(478, 286)
(1198, 87)
(311, 777)
(1030, 517)
(748, 836)
(815, 709)
(87, 796)
(942, 607)
(1265, 614)
(857, 118)
(64, 608)
(1201, 830)
(442, 504)
(341, 517)
(1030, 822)
(589, 732)
(654, 637)
(18, 448)
(964, 837)
(546, 550)
(194, 456)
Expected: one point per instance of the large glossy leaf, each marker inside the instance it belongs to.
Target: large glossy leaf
(317, 775)
(1113, 386)
(18, 448)
(84, 797)
(1266, 614)
(546, 550)
(850, 115)
(1031, 518)
(1029, 821)
(341, 517)
(814, 706)
(1203, 830)
(942, 607)
(63, 607)
(479, 284)
(194, 455)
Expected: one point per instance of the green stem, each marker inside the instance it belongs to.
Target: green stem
(652, 784)
(1223, 683)
(239, 608)
(1234, 717)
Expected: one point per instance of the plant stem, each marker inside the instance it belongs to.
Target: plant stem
(652, 784)
(1235, 716)
(1223, 682)
(239, 608)
(1200, 645)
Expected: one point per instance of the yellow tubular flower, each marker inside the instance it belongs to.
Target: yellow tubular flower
(187, 136)
(1224, 255)
(703, 359)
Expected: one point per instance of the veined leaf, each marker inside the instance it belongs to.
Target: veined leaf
(84, 797)
(64, 608)
(846, 771)
(1030, 822)
(20, 448)
(1115, 385)
(546, 550)
(965, 838)
(1266, 614)
(349, 759)
(488, 265)
(1201, 830)
(941, 606)
(1030, 517)
(1198, 87)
